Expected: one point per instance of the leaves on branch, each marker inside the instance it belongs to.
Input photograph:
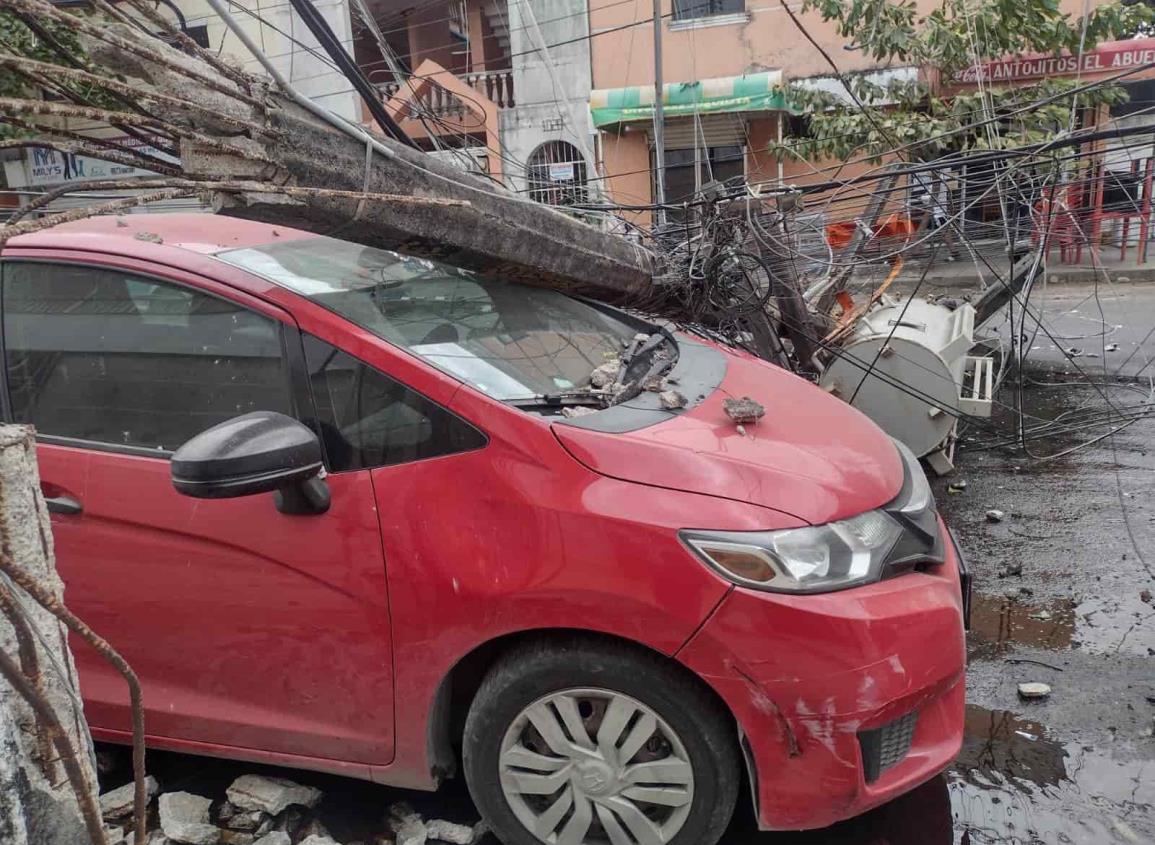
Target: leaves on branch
(878, 117)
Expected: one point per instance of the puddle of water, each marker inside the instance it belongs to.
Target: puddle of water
(998, 623)
(1014, 784)
(1102, 625)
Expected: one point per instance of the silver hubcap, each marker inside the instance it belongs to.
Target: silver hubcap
(592, 766)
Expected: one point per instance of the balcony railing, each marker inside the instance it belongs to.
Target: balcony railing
(497, 85)
(435, 100)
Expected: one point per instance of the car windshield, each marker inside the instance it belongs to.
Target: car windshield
(508, 340)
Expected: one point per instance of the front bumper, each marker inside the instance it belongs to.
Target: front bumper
(824, 688)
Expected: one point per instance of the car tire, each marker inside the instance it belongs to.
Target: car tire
(523, 732)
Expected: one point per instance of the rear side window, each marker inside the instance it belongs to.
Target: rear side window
(101, 355)
(369, 420)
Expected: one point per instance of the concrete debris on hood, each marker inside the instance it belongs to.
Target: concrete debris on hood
(571, 411)
(743, 411)
(605, 374)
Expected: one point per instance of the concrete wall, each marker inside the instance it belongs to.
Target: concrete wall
(313, 77)
(549, 106)
(765, 40)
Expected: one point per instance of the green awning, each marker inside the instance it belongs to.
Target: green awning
(751, 92)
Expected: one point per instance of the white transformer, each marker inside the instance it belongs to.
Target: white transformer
(907, 366)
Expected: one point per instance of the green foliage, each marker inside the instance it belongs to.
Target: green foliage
(954, 36)
(16, 38)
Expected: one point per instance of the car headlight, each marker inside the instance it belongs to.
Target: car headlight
(820, 558)
(836, 555)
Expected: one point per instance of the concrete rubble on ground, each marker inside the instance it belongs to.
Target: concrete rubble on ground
(261, 810)
(1035, 689)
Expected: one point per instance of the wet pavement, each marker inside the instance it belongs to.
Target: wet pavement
(1059, 598)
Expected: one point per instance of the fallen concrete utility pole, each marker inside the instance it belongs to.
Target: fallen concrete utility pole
(230, 125)
(47, 777)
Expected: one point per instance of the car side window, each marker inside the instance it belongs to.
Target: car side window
(107, 356)
(370, 420)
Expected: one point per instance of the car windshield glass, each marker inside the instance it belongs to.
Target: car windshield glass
(508, 340)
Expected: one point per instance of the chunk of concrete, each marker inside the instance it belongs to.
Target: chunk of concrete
(271, 795)
(117, 803)
(318, 839)
(442, 831)
(605, 374)
(276, 837)
(744, 411)
(408, 827)
(1034, 689)
(247, 820)
(184, 817)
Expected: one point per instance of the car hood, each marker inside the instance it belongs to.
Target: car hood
(811, 456)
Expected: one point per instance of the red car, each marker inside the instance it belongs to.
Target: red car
(349, 510)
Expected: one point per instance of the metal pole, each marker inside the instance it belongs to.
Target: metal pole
(659, 121)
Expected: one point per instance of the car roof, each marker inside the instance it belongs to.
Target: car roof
(130, 234)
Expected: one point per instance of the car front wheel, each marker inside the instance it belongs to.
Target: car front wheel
(585, 743)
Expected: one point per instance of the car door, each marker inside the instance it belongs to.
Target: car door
(249, 628)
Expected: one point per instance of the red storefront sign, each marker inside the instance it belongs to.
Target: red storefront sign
(1111, 56)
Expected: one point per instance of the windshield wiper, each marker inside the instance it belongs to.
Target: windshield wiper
(558, 400)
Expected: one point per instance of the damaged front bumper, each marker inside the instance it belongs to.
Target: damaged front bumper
(844, 700)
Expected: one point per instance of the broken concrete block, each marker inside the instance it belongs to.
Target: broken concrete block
(411, 833)
(408, 827)
(157, 837)
(605, 374)
(271, 795)
(995, 515)
(237, 837)
(277, 837)
(744, 410)
(117, 803)
(571, 411)
(318, 839)
(314, 827)
(671, 400)
(290, 820)
(184, 817)
(1034, 690)
(443, 831)
(247, 820)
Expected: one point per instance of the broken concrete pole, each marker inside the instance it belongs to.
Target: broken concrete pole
(493, 230)
(47, 788)
(184, 817)
(270, 795)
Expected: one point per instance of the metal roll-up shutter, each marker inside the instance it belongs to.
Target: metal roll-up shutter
(711, 130)
(80, 200)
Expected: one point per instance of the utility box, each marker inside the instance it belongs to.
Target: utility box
(907, 365)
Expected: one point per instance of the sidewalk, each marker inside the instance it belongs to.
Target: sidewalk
(969, 272)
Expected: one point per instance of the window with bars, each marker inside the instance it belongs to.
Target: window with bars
(685, 10)
(556, 173)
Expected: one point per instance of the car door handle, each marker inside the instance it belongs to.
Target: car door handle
(63, 504)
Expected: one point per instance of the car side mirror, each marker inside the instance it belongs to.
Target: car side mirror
(254, 453)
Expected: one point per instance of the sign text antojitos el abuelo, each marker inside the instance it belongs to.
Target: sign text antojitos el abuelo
(1111, 56)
